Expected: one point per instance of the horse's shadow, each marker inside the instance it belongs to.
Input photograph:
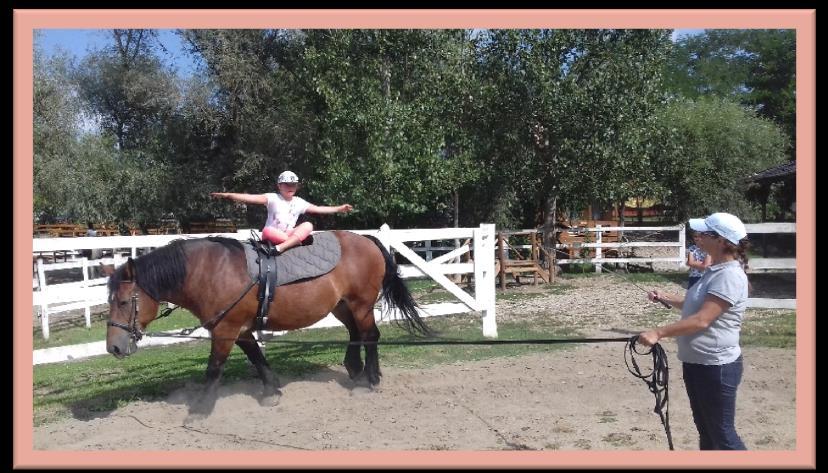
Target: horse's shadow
(184, 387)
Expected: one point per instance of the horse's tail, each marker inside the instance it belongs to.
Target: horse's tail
(395, 293)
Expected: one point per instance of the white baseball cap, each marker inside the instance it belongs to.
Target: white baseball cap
(288, 177)
(726, 225)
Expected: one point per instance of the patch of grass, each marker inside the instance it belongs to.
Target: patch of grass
(85, 387)
(426, 292)
(769, 329)
(180, 318)
(436, 296)
(517, 296)
(772, 329)
(420, 285)
(672, 277)
(651, 317)
(558, 288)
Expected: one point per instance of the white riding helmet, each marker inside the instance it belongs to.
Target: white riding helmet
(288, 178)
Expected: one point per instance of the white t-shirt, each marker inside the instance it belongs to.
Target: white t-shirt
(282, 213)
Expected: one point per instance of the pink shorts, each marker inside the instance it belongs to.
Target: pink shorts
(277, 236)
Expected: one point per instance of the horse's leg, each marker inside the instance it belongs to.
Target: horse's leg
(371, 354)
(248, 344)
(219, 351)
(369, 333)
(353, 359)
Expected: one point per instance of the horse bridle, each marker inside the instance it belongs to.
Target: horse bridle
(134, 332)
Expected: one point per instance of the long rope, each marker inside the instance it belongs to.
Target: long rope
(656, 380)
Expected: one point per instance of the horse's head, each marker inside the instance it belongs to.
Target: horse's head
(130, 310)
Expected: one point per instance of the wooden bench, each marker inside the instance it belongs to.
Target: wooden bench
(216, 226)
(59, 230)
(521, 265)
(576, 236)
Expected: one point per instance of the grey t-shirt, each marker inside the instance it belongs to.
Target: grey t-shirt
(719, 343)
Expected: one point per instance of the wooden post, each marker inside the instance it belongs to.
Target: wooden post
(484, 284)
(598, 252)
(501, 257)
(553, 256)
(534, 240)
(87, 310)
(44, 301)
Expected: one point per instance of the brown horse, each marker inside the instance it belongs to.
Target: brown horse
(209, 277)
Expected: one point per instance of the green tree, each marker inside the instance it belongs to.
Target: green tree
(57, 115)
(712, 146)
(756, 68)
(128, 88)
(390, 114)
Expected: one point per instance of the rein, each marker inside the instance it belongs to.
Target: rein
(136, 333)
(657, 380)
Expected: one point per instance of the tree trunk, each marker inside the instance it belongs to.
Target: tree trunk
(550, 225)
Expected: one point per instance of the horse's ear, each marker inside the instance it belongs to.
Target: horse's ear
(129, 270)
(107, 269)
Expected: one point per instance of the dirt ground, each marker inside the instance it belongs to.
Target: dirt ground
(581, 398)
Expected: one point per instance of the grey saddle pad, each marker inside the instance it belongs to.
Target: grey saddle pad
(299, 262)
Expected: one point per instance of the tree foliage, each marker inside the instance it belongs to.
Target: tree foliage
(399, 123)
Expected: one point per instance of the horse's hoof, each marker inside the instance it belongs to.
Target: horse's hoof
(354, 372)
(360, 390)
(195, 417)
(270, 400)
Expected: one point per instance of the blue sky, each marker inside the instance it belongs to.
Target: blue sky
(80, 42)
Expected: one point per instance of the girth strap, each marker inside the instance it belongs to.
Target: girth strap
(267, 283)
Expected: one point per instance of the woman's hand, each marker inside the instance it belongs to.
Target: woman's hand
(649, 338)
(656, 295)
(345, 208)
(218, 195)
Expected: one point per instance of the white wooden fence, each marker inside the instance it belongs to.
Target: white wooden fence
(756, 265)
(599, 246)
(84, 294)
(759, 265)
(89, 291)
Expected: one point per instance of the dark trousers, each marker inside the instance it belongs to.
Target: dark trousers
(712, 393)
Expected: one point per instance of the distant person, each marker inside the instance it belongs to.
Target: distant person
(94, 253)
(283, 210)
(708, 332)
(697, 260)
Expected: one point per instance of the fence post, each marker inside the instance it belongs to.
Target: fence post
(44, 299)
(598, 250)
(501, 256)
(484, 277)
(384, 309)
(87, 311)
(683, 241)
(428, 250)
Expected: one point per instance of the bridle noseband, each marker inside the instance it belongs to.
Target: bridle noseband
(134, 332)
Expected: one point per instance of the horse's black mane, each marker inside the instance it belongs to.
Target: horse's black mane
(162, 272)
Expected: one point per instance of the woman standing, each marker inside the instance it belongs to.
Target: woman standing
(708, 332)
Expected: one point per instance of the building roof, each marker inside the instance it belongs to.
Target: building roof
(776, 173)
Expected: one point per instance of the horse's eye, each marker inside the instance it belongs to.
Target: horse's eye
(122, 303)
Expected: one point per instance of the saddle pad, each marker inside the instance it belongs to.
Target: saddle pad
(299, 262)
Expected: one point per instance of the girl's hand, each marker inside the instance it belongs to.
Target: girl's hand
(345, 208)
